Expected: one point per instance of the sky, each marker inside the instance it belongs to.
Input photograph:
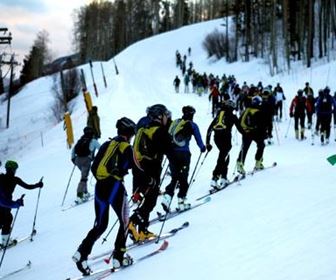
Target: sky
(25, 18)
(278, 224)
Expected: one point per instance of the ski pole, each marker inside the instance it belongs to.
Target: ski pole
(164, 175)
(9, 235)
(165, 218)
(37, 204)
(193, 174)
(192, 179)
(276, 132)
(67, 187)
(289, 123)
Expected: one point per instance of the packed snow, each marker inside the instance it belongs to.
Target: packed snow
(277, 224)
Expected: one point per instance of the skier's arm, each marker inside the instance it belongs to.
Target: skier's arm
(198, 137)
(209, 131)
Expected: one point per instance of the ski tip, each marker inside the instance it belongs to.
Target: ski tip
(186, 224)
(164, 245)
(275, 163)
(29, 264)
(208, 198)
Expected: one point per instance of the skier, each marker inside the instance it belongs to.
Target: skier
(214, 97)
(82, 155)
(279, 99)
(8, 182)
(93, 121)
(325, 106)
(308, 90)
(222, 126)
(253, 124)
(151, 142)
(109, 167)
(176, 84)
(181, 131)
(298, 111)
(268, 108)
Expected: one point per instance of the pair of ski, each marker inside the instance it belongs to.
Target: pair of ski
(105, 272)
(236, 179)
(25, 267)
(173, 213)
(75, 203)
(19, 240)
(151, 240)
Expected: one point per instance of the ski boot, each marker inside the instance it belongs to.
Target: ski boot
(214, 182)
(182, 205)
(259, 165)
(223, 182)
(145, 234)
(121, 259)
(81, 263)
(166, 201)
(133, 232)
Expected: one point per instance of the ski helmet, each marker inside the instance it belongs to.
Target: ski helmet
(11, 165)
(88, 131)
(126, 126)
(157, 111)
(188, 110)
(326, 90)
(300, 92)
(256, 100)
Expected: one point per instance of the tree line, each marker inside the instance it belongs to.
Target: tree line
(280, 31)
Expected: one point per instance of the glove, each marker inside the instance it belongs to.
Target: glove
(291, 114)
(20, 201)
(39, 184)
(203, 149)
(137, 198)
(209, 147)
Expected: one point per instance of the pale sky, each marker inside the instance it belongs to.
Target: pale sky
(25, 18)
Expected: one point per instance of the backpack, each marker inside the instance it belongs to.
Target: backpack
(325, 105)
(82, 147)
(220, 121)
(109, 164)
(179, 132)
(143, 143)
(248, 119)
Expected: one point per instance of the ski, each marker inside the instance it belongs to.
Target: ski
(75, 204)
(166, 216)
(212, 191)
(26, 266)
(274, 164)
(148, 241)
(236, 179)
(16, 241)
(102, 273)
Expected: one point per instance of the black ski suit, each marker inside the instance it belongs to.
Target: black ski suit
(222, 138)
(257, 133)
(8, 183)
(146, 174)
(110, 191)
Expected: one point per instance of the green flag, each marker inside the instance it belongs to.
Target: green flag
(332, 159)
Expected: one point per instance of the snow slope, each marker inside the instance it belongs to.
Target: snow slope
(278, 224)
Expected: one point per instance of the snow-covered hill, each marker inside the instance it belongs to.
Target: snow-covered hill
(278, 224)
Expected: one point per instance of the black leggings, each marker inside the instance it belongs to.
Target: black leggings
(108, 192)
(6, 219)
